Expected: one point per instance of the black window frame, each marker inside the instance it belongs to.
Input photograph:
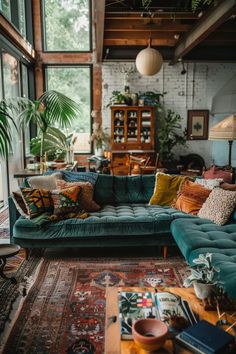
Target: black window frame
(14, 20)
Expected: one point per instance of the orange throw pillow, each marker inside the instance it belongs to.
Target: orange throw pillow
(86, 196)
(191, 197)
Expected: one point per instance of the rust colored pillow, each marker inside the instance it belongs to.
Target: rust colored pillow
(191, 197)
(216, 172)
(86, 195)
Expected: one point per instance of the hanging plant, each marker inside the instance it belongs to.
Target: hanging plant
(198, 3)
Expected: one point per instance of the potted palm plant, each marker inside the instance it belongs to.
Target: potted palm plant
(6, 125)
(52, 108)
(203, 276)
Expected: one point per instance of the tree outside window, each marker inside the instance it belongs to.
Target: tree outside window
(67, 25)
(75, 82)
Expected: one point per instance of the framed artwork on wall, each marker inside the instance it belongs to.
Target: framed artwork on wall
(197, 124)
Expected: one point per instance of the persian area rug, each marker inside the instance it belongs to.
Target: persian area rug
(64, 311)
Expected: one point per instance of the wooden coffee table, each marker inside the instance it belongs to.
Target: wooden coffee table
(113, 343)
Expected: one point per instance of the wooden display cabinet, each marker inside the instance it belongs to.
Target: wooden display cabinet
(132, 132)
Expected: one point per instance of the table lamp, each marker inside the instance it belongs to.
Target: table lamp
(225, 130)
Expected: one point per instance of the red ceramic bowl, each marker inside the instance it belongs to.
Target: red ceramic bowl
(149, 334)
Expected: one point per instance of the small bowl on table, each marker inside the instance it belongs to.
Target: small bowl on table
(149, 334)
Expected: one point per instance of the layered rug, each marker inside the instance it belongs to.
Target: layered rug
(4, 224)
(64, 310)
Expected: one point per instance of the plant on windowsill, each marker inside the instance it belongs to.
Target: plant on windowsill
(203, 276)
(52, 108)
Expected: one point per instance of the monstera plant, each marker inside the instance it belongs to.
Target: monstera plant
(52, 108)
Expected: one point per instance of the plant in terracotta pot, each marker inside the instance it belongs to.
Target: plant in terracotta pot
(203, 276)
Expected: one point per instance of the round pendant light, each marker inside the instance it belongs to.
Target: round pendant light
(149, 61)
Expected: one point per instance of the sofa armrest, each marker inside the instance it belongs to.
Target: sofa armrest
(13, 214)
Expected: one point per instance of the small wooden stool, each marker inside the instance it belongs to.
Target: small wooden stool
(7, 250)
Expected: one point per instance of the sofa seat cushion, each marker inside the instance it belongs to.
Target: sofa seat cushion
(130, 220)
(202, 235)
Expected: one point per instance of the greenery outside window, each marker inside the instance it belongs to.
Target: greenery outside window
(5, 7)
(22, 24)
(67, 25)
(75, 82)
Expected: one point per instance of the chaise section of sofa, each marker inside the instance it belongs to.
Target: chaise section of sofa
(201, 236)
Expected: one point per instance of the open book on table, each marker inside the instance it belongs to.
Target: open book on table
(160, 305)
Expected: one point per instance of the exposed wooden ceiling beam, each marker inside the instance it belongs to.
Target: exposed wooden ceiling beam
(162, 16)
(99, 11)
(142, 42)
(206, 25)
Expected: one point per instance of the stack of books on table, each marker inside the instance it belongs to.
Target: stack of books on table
(205, 338)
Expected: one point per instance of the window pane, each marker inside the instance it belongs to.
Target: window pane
(25, 93)
(75, 82)
(66, 25)
(5, 7)
(22, 27)
(11, 80)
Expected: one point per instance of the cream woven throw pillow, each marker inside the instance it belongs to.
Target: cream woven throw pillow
(219, 206)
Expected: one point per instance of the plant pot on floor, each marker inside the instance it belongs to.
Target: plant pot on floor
(202, 290)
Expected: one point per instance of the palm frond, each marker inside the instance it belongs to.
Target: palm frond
(7, 123)
(59, 108)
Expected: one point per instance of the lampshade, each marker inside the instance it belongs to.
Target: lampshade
(224, 130)
(149, 61)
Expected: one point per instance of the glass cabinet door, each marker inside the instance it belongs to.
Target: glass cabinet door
(132, 126)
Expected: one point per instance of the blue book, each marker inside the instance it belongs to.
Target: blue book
(206, 337)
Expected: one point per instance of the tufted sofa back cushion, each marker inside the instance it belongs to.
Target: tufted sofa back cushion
(123, 189)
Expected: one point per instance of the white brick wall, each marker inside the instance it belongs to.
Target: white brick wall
(194, 90)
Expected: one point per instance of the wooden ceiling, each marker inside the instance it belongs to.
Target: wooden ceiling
(124, 26)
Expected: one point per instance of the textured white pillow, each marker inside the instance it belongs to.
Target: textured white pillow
(209, 183)
(218, 206)
(45, 182)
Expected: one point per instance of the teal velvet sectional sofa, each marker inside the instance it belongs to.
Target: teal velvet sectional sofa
(126, 219)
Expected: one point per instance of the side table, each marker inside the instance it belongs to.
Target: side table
(6, 251)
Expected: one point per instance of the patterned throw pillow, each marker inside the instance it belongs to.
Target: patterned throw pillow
(45, 182)
(191, 197)
(219, 206)
(37, 201)
(166, 189)
(209, 183)
(66, 200)
(86, 196)
(20, 204)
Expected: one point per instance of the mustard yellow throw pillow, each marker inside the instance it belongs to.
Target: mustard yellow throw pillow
(166, 189)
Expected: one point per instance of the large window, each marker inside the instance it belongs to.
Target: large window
(67, 25)
(75, 82)
(19, 13)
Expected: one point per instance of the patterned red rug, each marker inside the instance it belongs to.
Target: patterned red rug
(64, 311)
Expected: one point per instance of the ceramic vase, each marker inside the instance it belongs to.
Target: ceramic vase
(202, 291)
(99, 152)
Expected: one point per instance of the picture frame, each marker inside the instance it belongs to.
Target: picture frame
(197, 124)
